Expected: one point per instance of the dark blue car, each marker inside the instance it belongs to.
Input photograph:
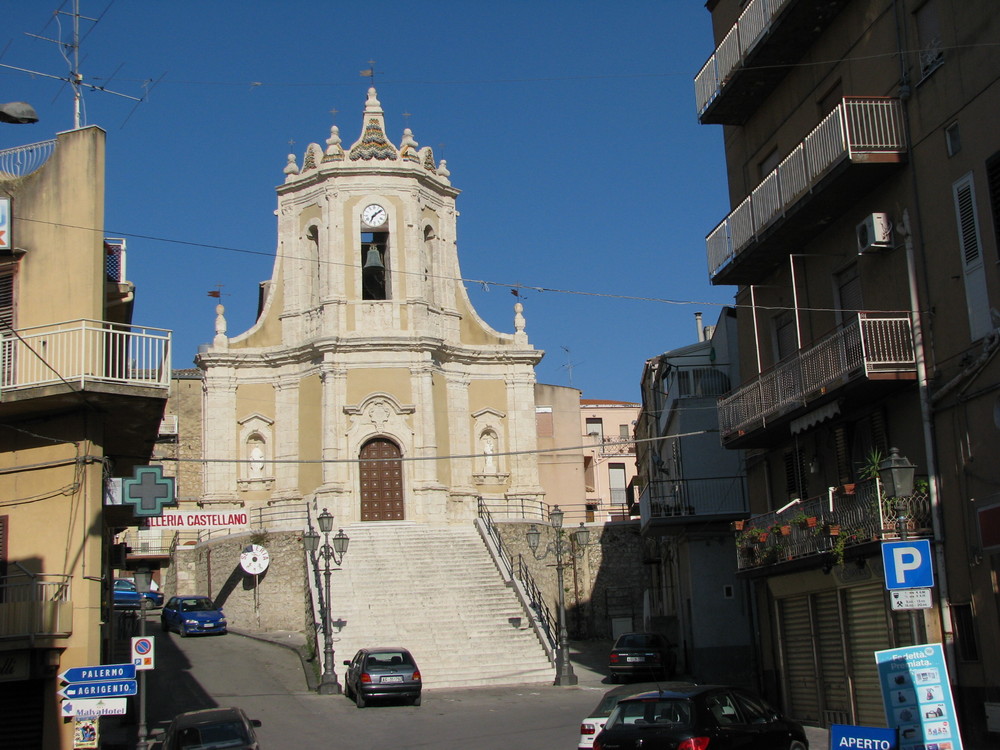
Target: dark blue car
(128, 597)
(190, 615)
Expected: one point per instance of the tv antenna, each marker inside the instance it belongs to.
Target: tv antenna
(568, 367)
(75, 78)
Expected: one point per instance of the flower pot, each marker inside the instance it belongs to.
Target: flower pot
(832, 529)
(786, 530)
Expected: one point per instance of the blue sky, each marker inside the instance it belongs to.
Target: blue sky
(568, 125)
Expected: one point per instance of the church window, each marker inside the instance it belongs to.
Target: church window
(374, 266)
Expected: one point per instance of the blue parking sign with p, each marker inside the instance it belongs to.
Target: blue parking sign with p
(908, 564)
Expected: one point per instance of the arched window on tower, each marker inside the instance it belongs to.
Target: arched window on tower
(312, 269)
(375, 266)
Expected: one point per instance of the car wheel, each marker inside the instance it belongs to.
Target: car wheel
(359, 699)
(796, 746)
(415, 701)
(182, 632)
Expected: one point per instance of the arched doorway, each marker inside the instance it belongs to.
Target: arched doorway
(381, 472)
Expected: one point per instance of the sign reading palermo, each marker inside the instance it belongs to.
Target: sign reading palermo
(198, 520)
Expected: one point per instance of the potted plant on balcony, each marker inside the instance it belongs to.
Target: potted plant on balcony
(803, 521)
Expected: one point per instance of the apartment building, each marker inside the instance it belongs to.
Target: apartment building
(82, 391)
(864, 179)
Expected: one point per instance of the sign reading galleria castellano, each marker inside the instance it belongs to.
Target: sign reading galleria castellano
(198, 520)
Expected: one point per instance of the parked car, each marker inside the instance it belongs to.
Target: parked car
(382, 673)
(192, 614)
(126, 596)
(642, 654)
(228, 728)
(696, 718)
(591, 726)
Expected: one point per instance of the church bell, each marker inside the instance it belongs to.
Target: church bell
(373, 260)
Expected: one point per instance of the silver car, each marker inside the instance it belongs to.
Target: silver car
(387, 672)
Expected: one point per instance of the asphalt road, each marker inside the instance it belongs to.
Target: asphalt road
(267, 681)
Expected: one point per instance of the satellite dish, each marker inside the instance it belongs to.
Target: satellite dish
(18, 113)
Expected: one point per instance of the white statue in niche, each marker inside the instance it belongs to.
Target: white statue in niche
(489, 446)
(256, 460)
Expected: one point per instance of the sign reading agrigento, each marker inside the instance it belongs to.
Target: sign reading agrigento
(197, 520)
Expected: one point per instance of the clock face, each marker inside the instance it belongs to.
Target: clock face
(374, 215)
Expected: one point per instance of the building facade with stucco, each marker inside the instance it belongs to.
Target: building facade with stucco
(368, 384)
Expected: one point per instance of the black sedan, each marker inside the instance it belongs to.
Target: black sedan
(228, 728)
(388, 672)
(648, 655)
(705, 717)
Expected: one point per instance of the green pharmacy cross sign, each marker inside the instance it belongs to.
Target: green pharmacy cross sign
(148, 491)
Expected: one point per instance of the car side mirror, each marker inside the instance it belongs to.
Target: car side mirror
(255, 722)
(347, 662)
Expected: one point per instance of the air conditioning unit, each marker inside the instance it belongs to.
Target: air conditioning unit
(874, 233)
(168, 425)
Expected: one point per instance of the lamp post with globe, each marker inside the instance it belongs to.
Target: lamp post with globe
(334, 551)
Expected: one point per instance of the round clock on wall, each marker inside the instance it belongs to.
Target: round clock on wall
(374, 215)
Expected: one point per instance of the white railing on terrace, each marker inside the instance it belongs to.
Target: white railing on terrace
(23, 160)
(871, 343)
(715, 73)
(855, 129)
(31, 607)
(84, 351)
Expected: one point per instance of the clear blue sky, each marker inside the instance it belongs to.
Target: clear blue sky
(568, 125)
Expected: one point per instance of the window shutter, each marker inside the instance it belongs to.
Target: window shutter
(976, 297)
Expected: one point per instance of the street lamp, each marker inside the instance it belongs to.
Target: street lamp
(18, 113)
(143, 585)
(328, 683)
(895, 472)
(564, 669)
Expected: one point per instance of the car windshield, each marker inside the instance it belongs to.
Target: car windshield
(210, 736)
(639, 640)
(389, 660)
(124, 586)
(674, 712)
(197, 605)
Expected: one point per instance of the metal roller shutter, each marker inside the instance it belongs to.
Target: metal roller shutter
(834, 678)
(868, 631)
(800, 666)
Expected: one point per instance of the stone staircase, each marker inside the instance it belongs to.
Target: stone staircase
(436, 591)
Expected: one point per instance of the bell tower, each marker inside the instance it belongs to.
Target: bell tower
(369, 383)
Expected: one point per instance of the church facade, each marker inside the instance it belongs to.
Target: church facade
(368, 384)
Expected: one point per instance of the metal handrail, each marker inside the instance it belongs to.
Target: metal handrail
(23, 160)
(536, 603)
(538, 607)
(31, 607)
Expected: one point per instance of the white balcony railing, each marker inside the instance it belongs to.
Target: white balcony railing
(31, 607)
(742, 37)
(869, 344)
(694, 499)
(23, 160)
(856, 129)
(84, 351)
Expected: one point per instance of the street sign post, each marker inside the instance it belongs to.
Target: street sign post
(102, 672)
(95, 707)
(911, 599)
(908, 564)
(104, 689)
(142, 652)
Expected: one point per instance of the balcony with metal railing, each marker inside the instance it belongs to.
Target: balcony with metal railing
(23, 160)
(831, 526)
(80, 353)
(871, 347)
(756, 54)
(854, 147)
(672, 503)
(35, 606)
